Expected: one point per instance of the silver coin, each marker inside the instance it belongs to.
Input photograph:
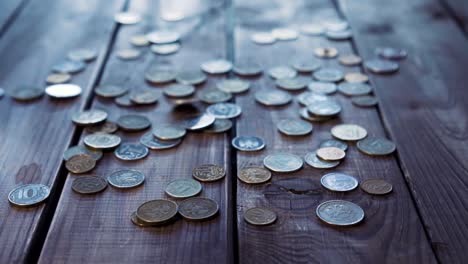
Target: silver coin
(312, 160)
(198, 122)
(334, 143)
(102, 141)
(247, 68)
(381, 66)
(282, 162)
(168, 132)
(281, 72)
(127, 18)
(133, 122)
(306, 64)
(139, 40)
(308, 98)
(284, 34)
(214, 96)
(131, 151)
(90, 117)
(183, 188)
(144, 97)
(125, 179)
(391, 53)
(82, 55)
(163, 37)
(349, 132)
(155, 144)
(335, 24)
(69, 66)
(312, 118)
(325, 108)
(165, 49)
(2, 92)
(110, 90)
(326, 52)
(216, 66)
(80, 149)
(365, 101)
(340, 213)
(224, 110)
(322, 87)
(376, 146)
(159, 74)
(62, 91)
(292, 127)
(350, 60)
(57, 78)
(328, 75)
(123, 100)
(233, 85)
(219, 126)
(339, 35)
(293, 84)
(28, 194)
(263, 38)
(339, 182)
(179, 90)
(312, 29)
(354, 89)
(128, 54)
(190, 77)
(248, 143)
(272, 98)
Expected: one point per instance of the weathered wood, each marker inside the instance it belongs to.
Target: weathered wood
(96, 229)
(458, 9)
(33, 136)
(391, 232)
(424, 107)
(9, 9)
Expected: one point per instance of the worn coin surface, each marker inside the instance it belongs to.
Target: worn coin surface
(190, 77)
(127, 18)
(247, 68)
(338, 182)
(365, 101)
(312, 29)
(326, 52)
(330, 153)
(304, 113)
(334, 143)
(292, 127)
(69, 66)
(284, 34)
(157, 212)
(133, 122)
(128, 54)
(208, 172)
(86, 55)
(89, 184)
(260, 216)
(179, 90)
(376, 146)
(28, 194)
(376, 186)
(306, 64)
(254, 175)
(124, 179)
(381, 66)
(80, 149)
(183, 188)
(283, 162)
(219, 126)
(26, 92)
(80, 163)
(153, 143)
(198, 122)
(198, 208)
(131, 151)
(165, 49)
(325, 108)
(322, 87)
(272, 97)
(328, 75)
(312, 160)
(90, 117)
(216, 66)
(350, 60)
(391, 53)
(163, 36)
(340, 213)
(281, 72)
(169, 132)
(106, 128)
(224, 110)
(293, 84)
(56, 78)
(139, 40)
(354, 89)
(123, 100)
(233, 85)
(144, 97)
(214, 96)
(356, 77)
(349, 132)
(62, 91)
(110, 90)
(263, 38)
(102, 141)
(159, 74)
(248, 143)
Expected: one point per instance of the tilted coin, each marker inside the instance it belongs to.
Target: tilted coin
(282, 162)
(208, 172)
(127, 18)
(28, 194)
(198, 208)
(306, 64)
(125, 179)
(102, 141)
(214, 96)
(308, 98)
(133, 122)
(224, 110)
(334, 143)
(179, 90)
(82, 55)
(292, 127)
(312, 29)
(350, 60)
(183, 188)
(165, 49)
(123, 100)
(247, 68)
(376, 186)
(376, 146)
(365, 101)
(190, 77)
(356, 77)
(340, 213)
(106, 128)
(260, 216)
(322, 87)
(263, 38)
(339, 182)
(284, 34)
(248, 143)
(312, 160)
(110, 90)
(272, 98)
(216, 66)
(233, 85)
(80, 149)
(330, 153)
(254, 175)
(89, 184)
(293, 84)
(131, 151)
(328, 75)
(156, 144)
(354, 89)
(325, 108)
(281, 72)
(57, 78)
(339, 35)
(139, 40)
(219, 126)
(349, 132)
(198, 122)
(381, 66)
(391, 53)
(326, 52)
(62, 91)
(90, 117)
(157, 212)
(159, 74)
(304, 113)
(168, 132)
(128, 54)
(80, 163)
(69, 66)
(163, 36)
(26, 93)
(136, 221)
(145, 97)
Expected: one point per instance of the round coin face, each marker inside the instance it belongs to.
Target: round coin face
(80, 149)
(57, 78)
(356, 77)
(198, 208)
(110, 90)
(326, 52)
(322, 87)
(330, 153)
(334, 143)
(248, 143)
(325, 108)
(124, 179)
(391, 53)
(163, 36)
(365, 101)
(381, 66)
(183, 188)
(82, 55)
(168, 132)
(130, 151)
(233, 85)
(102, 141)
(339, 182)
(106, 128)
(133, 122)
(293, 84)
(284, 34)
(312, 160)
(272, 97)
(157, 211)
(153, 143)
(293, 127)
(165, 49)
(90, 117)
(28, 194)
(328, 75)
(159, 74)
(69, 66)
(254, 175)
(89, 184)
(80, 163)
(340, 213)
(350, 60)
(247, 68)
(260, 216)
(62, 91)
(354, 89)
(179, 90)
(282, 162)
(144, 97)
(26, 93)
(198, 122)
(219, 126)
(376, 186)
(214, 96)
(348, 132)
(376, 146)
(216, 66)
(282, 72)
(191, 77)
(208, 173)
(263, 38)
(224, 110)
(306, 65)
(127, 18)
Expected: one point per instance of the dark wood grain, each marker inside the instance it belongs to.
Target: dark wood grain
(97, 229)
(458, 9)
(424, 108)
(9, 9)
(33, 136)
(391, 232)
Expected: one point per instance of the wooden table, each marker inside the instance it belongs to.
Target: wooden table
(423, 109)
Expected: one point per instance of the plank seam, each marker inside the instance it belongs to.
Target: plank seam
(457, 19)
(13, 17)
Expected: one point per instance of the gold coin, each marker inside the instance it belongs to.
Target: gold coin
(208, 173)
(348, 132)
(350, 60)
(198, 208)
(376, 186)
(89, 184)
(156, 211)
(57, 78)
(326, 52)
(260, 216)
(356, 77)
(254, 175)
(330, 153)
(80, 163)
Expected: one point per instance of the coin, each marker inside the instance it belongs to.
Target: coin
(260, 216)
(163, 37)
(139, 40)
(208, 173)
(350, 60)
(198, 122)
(376, 186)
(381, 66)
(233, 85)
(57, 78)
(106, 128)
(2, 92)
(198, 208)
(322, 87)
(247, 68)
(306, 64)
(69, 66)
(364, 101)
(348, 132)
(179, 90)
(86, 55)
(125, 179)
(183, 188)
(28, 194)
(334, 143)
(165, 49)
(127, 18)
(153, 143)
(391, 53)
(144, 97)
(224, 110)
(356, 77)
(136, 221)
(284, 34)
(312, 160)
(272, 98)
(339, 35)
(325, 108)
(338, 182)
(80, 149)
(214, 96)
(219, 126)
(110, 90)
(190, 77)
(293, 84)
(123, 100)
(89, 184)
(330, 153)
(308, 98)
(216, 66)
(313, 118)
(326, 52)
(80, 163)
(248, 143)
(128, 54)
(312, 29)
(102, 141)
(254, 175)
(168, 132)
(157, 212)
(63, 91)
(281, 72)
(376, 146)
(354, 89)
(263, 38)
(133, 122)
(90, 117)
(340, 213)
(335, 24)
(328, 75)
(292, 127)
(131, 151)
(283, 162)
(26, 92)
(158, 74)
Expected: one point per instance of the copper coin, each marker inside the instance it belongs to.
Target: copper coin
(80, 163)
(376, 186)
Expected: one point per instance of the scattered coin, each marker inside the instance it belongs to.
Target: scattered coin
(340, 213)
(339, 182)
(133, 122)
(123, 100)
(322, 87)
(183, 188)
(85, 55)
(165, 49)
(2, 92)
(224, 110)
(233, 85)
(272, 98)
(293, 84)
(190, 77)
(312, 160)
(376, 186)
(283, 162)
(125, 179)
(57, 78)
(90, 117)
(376, 146)
(110, 90)
(131, 151)
(106, 128)
(263, 38)
(26, 93)
(172, 15)
(89, 185)
(127, 18)
(328, 75)
(325, 108)
(248, 143)
(153, 143)
(334, 143)
(260, 216)
(330, 153)
(136, 221)
(326, 52)
(28, 194)
(356, 77)
(214, 96)
(304, 113)
(168, 132)
(284, 34)
(179, 90)
(128, 54)
(312, 29)
(292, 127)
(354, 89)
(163, 37)
(69, 66)
(219, 126)
(102, 141)
(364, 101)
(254, 175)
(144, 97)
(216, 66)
(80, 149)
(391, 53)
(198, 122)
(63, 91)
(281, 72)
(198, 208)
(157, 212)
(308, 98)
(139, 40)
(306, 64)
(350, 60)
(335, 24)
(208, 173)
(247, 68)
(159, 74)
(381, 66)
(339, 35)
(80, 163)
(349, 132)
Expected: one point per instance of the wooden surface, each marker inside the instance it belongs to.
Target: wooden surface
(422, 108)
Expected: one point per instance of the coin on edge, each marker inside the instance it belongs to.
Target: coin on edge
(28, 194)
(339, 182)
(260, 216)
(198, 208)
(283, 162)
(376, 186)
(183, 188)
(208, 173)
(254, 175)
(340, 213)
(80, 163)
(89, 184)
(157, 212)
(125, 179)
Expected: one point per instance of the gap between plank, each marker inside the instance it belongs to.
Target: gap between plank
(12, 17)
(457, 19)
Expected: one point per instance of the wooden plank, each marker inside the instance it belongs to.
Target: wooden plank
(458, 9)
(95, 229)
(391, 231)
(425, 109)
(33, 136)
(9, 9)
